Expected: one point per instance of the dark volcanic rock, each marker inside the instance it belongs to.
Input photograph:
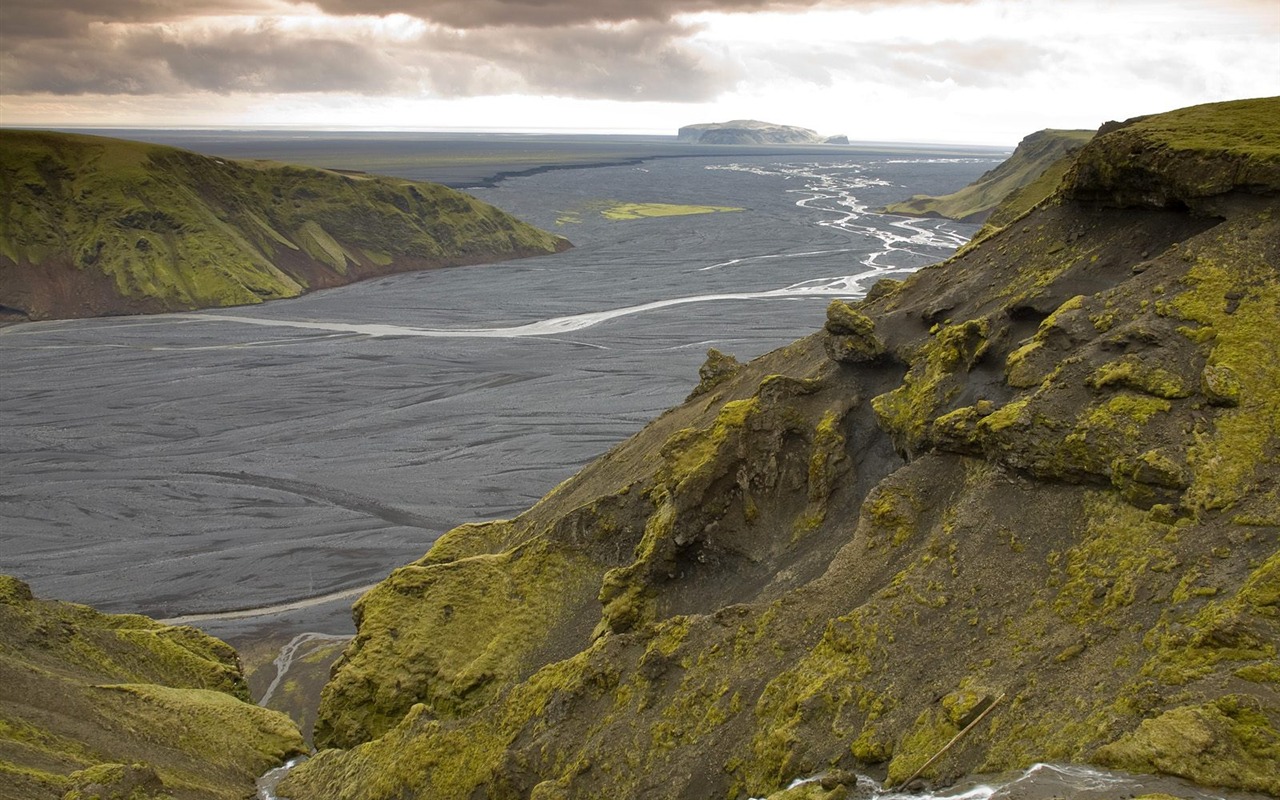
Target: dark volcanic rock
(1061, 489)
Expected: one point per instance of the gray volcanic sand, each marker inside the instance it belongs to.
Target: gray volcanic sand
(193, 463)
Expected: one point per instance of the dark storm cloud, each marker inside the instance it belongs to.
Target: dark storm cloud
(262, 60)
(619, 49)
(634, 61)
(554, 13)
(154, 60)
(637, 61)
(38, 19)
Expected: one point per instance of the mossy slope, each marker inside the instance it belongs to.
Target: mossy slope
(97, 705)
(92, 225)
(1048, 470)
(1029, 175)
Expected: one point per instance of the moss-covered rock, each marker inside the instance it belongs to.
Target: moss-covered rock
(718, 368)
(95, 226)
(117, 782)
(105, 706)
(1057, 485)
(1228, 742)
(1179, 159)
(851, 335)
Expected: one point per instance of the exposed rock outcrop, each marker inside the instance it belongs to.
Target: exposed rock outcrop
(1058, 483)
(92, 226)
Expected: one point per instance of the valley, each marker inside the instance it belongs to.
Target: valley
(287, 457)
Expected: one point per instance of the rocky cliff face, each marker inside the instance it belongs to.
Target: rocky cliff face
(118, 706)
(1032, 173)
(92, 226)
(750, 131)
(1046, 470)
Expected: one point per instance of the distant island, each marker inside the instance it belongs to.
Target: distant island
(753, 131)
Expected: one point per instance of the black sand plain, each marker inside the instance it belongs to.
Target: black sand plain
(251, 470)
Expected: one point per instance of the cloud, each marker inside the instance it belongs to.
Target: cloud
(41, 19)
(981, 63)
(645, 50)
(471, 14)
(634, 61)
(155, 59)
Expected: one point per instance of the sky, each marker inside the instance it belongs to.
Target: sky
(952, 71)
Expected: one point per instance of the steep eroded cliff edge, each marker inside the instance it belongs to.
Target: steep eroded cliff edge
(1046, 468)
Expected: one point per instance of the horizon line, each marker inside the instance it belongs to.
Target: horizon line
(510, 131)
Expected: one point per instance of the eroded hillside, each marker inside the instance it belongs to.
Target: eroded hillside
(1044, 470)
(119, 706)
(92, 226)
(1029, 175)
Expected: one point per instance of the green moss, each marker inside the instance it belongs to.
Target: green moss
(436, 656)
(851, 336)
(423, 757)
(907, 411)
(689, 456)
(1109, 430)
(1005, 417)
(85, 693)
(1228, 742)
(626, 211)
(26, 782)
(169, 229)
(893, 511)
(1230, 629)
(1239, 127)
(1225, 459)
(1130, 372)
(1019, 369)
(1266, 672)
(825, 460)
(1221, 385)
(928, 736)
(1102, 573)
(828, 678)
(718, 368)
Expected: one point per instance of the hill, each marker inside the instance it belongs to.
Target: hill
(104, 706)
(1040, 479)
(751, 131)
(92, 226)
(1029, 175)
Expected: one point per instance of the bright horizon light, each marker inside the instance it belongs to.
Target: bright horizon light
(977, 72)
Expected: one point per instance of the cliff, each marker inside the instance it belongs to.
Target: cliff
(1045, 470)
(102, 706)
(1032, 173)
(750, 131)
(92, 226)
